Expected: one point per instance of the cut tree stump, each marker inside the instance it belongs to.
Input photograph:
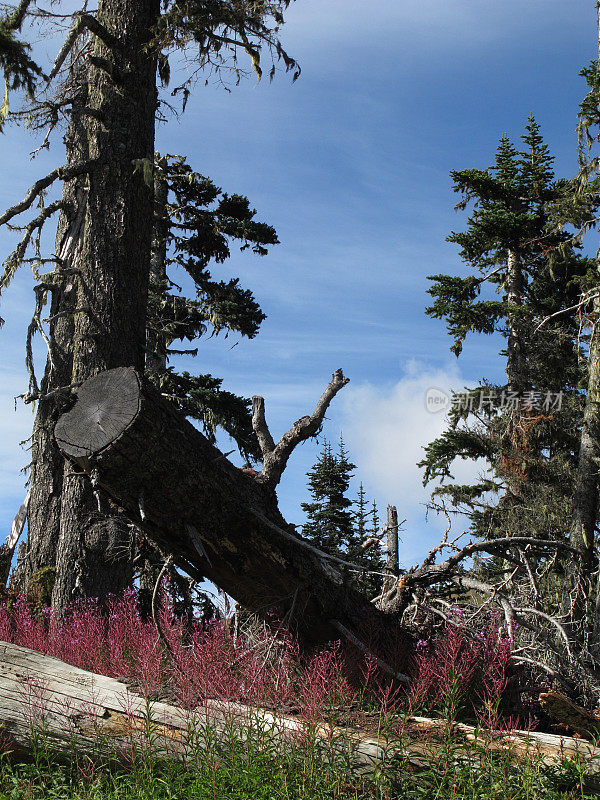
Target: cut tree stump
(217, 521)
(73, 710)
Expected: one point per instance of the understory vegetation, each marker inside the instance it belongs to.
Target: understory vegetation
(457, 675)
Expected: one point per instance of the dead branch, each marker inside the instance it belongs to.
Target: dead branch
(275, 457)
(83, 22)
(8, 548)
(364, 649)
(259, 424)
(64, 173)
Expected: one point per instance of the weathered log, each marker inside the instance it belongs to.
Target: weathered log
(217, 521)
(567, 712)
(74, 710)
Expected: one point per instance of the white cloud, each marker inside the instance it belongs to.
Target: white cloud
(386, 428)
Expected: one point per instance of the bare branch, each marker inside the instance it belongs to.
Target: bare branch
(259, 424)
(429, 573)
(364, 649)
(8, 548)
(82, 22)
(60, 173)
(553, 621)
(275, 461)
(15, 258)
(488, 588)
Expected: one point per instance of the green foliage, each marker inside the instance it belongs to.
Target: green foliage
(218, 31)
(527, 455)
(20, 71)
(329, 523)
(202, 224)
(332, 525)
(202, 398)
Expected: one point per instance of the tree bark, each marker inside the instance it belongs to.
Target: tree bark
(113, 280)
(47, 463)
(392, 566)
(216, 520)
(579, 587)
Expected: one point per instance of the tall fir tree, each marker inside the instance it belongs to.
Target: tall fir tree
(365, 548)
(329, 516)
(524, 432)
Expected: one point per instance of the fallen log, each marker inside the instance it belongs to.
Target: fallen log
(73, 710)
(568, 713)
(216, 520)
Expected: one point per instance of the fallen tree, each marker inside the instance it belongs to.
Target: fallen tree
(216, 520)
(146, 461)
(44, 700)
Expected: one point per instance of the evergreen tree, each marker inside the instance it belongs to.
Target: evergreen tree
(333, 526)
(200, 223)
(525, 431)
(580, 207)
(329, 515)
(107, 80)
(365, 549)
(20, 71)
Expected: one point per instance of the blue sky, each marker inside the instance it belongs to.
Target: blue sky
(351, 165)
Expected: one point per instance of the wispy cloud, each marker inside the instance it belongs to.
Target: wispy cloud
(386, 428)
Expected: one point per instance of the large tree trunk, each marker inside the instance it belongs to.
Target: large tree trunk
(47, 462)
(578, 591)
(95, 551)
(156, 360)
(216, 520)
(579, 585)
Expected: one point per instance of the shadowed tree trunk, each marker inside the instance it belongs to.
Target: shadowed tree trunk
(47, 462)
(95, 552)
(579, 585)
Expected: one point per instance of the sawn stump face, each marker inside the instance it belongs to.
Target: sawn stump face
(106, 406)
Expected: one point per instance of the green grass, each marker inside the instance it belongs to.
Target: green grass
(255, 767)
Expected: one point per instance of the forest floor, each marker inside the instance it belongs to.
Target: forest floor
(451, 681)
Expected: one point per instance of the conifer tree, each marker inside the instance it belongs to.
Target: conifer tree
(334, 527)
(365, 549)
(579, 207)
(20, 71)
(199, 225)
(106, 87)
(525, 431)
(329, 515)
